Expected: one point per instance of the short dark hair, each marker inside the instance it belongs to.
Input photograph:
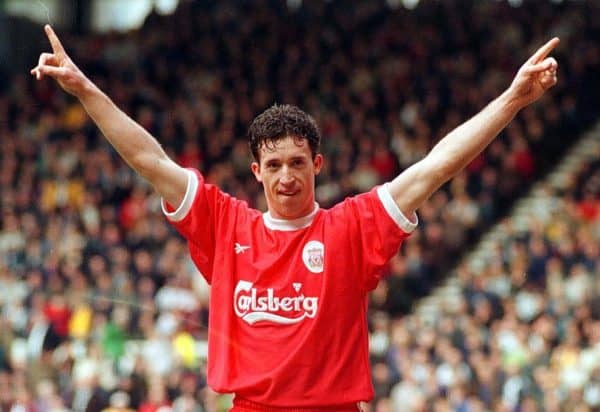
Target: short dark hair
(279, 122)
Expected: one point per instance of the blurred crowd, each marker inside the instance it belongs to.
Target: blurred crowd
(525, 333)
(101, 306)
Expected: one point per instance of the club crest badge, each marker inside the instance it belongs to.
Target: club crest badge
(313, 256)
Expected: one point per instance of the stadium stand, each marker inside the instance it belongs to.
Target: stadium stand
(518, 323)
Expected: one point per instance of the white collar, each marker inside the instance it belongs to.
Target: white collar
(290, 224)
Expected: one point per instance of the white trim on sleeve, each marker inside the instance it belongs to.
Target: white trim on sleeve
(390, 206)
(186, 204)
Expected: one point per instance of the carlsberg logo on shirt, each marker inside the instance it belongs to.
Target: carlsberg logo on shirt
(252, 307)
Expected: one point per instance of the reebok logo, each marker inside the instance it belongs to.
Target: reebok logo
(240, 249)
(252, 306)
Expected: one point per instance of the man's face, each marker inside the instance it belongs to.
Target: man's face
(287, 172)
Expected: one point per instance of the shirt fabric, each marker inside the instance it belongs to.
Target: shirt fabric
(288, 301)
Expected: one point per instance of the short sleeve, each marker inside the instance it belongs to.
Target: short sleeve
(373, 227)
(199, 218)
(391, 207)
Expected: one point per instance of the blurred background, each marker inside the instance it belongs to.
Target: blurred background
(493, 304)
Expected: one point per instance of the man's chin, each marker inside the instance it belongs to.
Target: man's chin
(290, 208)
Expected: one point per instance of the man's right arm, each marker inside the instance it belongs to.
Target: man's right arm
(135, 145)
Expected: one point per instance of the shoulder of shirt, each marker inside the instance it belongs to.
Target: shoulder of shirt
(381, 195)
(195, 180)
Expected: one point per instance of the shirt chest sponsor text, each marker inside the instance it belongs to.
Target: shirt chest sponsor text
(252, 305)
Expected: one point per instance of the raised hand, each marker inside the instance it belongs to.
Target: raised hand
(59, 66)
(537, 75)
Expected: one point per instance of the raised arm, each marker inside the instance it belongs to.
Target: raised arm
(456, 150)
(135, 145)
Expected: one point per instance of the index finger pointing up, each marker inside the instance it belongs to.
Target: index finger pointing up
(543, 51)
(57, 47)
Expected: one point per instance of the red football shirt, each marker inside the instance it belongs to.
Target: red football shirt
(287, 323)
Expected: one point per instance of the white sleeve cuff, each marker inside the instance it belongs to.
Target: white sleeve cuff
(390, 206)
(186, 203)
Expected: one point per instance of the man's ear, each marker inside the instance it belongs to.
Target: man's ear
(255, 167)
(318, 163)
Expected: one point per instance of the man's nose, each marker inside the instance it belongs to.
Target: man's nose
(287, 177)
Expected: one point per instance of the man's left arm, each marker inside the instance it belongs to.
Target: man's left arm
(456, 150)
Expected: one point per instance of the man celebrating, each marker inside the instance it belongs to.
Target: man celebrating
(288, 330)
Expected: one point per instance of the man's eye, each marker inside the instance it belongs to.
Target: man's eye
(298, 162)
